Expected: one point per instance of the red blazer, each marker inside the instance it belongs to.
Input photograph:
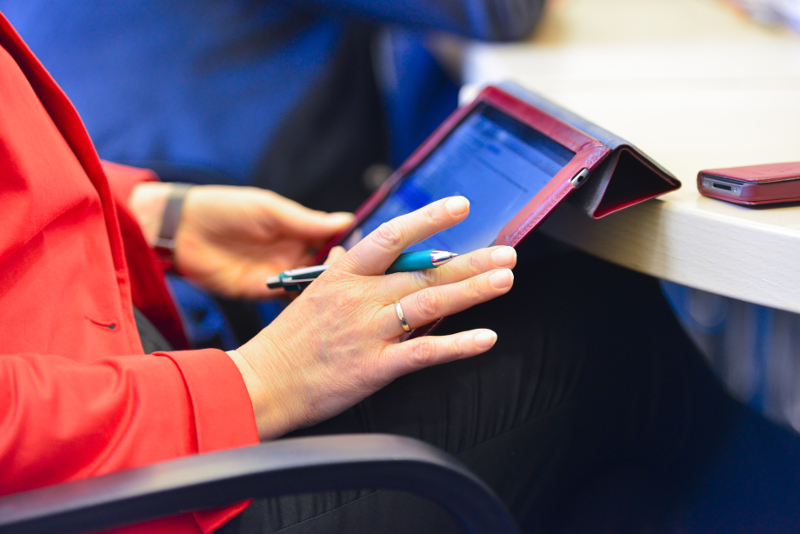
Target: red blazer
(77, 396)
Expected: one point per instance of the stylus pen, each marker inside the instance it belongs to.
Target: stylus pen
(297, 279)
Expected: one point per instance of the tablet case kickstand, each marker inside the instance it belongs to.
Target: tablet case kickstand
(625, 177)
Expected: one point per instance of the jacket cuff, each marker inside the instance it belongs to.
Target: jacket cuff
(122, 178)
(223, 413)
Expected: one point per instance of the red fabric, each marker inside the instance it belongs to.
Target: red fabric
(77, 396)
(122, 178)
(148, 288)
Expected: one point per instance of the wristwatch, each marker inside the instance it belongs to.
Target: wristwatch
(165, 242)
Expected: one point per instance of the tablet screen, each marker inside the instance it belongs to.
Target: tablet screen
(495, 161)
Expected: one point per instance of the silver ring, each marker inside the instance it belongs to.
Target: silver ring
(399, 310)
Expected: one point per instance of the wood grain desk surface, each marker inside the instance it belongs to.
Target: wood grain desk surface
(695, 85)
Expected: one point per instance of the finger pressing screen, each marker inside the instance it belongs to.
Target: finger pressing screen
(376, 252)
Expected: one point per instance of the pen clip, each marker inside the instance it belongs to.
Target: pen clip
(295, 279)
(292, 280)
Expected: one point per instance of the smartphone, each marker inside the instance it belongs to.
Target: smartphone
(752, 185)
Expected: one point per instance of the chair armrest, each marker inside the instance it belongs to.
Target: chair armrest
(281, 467)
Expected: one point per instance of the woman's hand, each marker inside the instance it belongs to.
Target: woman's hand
(341, 339)
(230, 239)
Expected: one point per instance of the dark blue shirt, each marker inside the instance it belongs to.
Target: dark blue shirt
(207, 83)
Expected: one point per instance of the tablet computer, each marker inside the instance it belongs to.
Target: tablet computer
(515, 156)
(512, 161)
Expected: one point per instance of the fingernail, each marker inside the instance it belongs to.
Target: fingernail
(340, 218)
(485, 340)
(501, 279)
(457, 205)
(504, 256)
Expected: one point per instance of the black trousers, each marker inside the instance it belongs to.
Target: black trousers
(591, 375)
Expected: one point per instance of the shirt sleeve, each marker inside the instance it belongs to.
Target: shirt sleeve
(477, 19)
(61, 420)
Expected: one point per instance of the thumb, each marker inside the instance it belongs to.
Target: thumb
(298, 221)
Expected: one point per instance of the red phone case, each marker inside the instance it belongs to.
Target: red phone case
(752, 185)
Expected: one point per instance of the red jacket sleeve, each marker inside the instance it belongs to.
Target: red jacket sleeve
(61, 420)
(70, 269)
(122, 179)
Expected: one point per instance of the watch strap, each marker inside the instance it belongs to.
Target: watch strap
(165, 242)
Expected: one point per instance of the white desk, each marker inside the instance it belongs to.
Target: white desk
(695, 85)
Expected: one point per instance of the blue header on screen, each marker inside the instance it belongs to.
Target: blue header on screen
(495, 161)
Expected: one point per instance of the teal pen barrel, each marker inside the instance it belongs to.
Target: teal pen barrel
(411, 261)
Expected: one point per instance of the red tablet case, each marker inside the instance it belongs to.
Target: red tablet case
(755, 184)
(619, 174)
(616, 173)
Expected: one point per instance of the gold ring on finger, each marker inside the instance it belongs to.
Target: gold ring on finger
(401, 316)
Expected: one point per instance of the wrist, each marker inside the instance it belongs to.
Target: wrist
(157, 208)
(147, 202)
(272, 391)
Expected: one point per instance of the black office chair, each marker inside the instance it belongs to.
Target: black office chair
(282, 467)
